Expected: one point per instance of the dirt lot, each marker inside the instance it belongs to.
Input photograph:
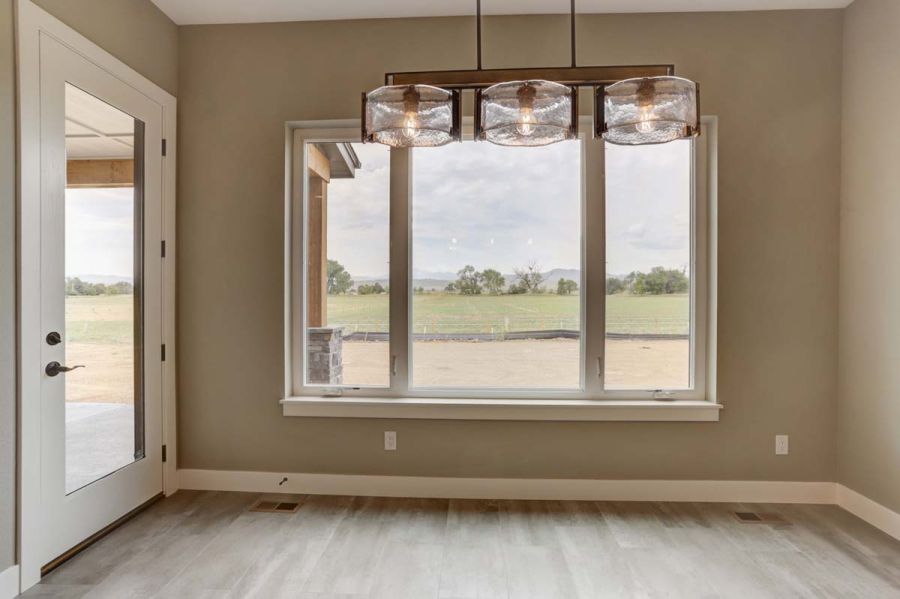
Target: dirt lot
(108, 375)
(526, 363)
(100, 335)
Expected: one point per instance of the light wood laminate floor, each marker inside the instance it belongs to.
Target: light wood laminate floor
(203, 544)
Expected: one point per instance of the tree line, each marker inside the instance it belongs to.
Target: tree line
(659, 281)
(75, 286)
(339, 282)
(529, 280)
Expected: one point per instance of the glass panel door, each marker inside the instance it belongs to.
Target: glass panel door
(100, 289)
(104, 424)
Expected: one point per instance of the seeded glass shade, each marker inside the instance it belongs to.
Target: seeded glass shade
(526, 113)
(651, 110)
(411, 116)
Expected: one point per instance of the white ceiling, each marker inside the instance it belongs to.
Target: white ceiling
(188, 12)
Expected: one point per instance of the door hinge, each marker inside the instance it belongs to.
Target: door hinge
(163, 352)
(164, 453)
(163, 147)
(162, 249)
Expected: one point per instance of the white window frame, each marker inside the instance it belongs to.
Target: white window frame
(591, 401)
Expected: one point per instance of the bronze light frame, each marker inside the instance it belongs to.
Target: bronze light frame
(473, 79)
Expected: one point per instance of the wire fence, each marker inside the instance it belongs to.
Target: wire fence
(469, 325)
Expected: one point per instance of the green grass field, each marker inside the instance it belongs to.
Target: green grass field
(108, 318)
(444, 313)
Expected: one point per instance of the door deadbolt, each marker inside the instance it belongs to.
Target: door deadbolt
(54, 338)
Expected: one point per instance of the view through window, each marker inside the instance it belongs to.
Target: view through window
(496, 266)
(104, 400)
(648, 266)
(348, 218)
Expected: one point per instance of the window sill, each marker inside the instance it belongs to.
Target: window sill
(502, 409)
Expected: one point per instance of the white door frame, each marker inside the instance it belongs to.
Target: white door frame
(32, 23)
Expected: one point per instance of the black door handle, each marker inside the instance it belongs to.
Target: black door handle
(54, 368)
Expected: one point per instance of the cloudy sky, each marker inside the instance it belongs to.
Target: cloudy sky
(495, 207)
(473, 203)
(100, 232)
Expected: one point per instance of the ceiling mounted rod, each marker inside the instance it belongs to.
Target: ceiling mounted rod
(572, 31)
(478, 30)
(478, 20)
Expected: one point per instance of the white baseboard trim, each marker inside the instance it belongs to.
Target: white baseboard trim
(510, 488)
(872, 512)
(9, 583)
(731, 491)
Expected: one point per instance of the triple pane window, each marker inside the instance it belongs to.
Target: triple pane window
(571, 270)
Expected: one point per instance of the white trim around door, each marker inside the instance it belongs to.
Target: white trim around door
(33, 24)
(9, 582)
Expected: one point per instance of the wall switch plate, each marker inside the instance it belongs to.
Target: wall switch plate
(390, 441)
(781, 445)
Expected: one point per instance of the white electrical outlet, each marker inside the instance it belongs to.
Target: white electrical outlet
(781, 445)
(390, 441)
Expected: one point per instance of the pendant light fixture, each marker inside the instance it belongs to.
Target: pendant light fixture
(634, 104)
(411, 116)
(648, 110)
(530, 112)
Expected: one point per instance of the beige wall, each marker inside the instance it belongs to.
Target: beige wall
(869, 391)
(773, 78)
(140, 35)
(134, 31)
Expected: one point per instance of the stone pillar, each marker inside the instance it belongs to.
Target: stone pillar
(324, 350)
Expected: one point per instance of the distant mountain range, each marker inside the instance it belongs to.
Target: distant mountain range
(437, 281)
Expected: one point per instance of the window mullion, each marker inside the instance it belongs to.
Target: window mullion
(295, 261)
(594, 260)
(401, 194)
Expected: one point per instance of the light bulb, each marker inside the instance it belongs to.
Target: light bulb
(410, 125)
(410, 114)
(526, 123)
(646, 93)
(645, 124)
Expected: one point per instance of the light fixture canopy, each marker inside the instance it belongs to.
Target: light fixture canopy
(526, 113)
(647, 110)
(409, 116)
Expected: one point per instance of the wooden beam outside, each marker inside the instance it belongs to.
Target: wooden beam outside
(318, 163)
(317, 254)
(99, 173)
